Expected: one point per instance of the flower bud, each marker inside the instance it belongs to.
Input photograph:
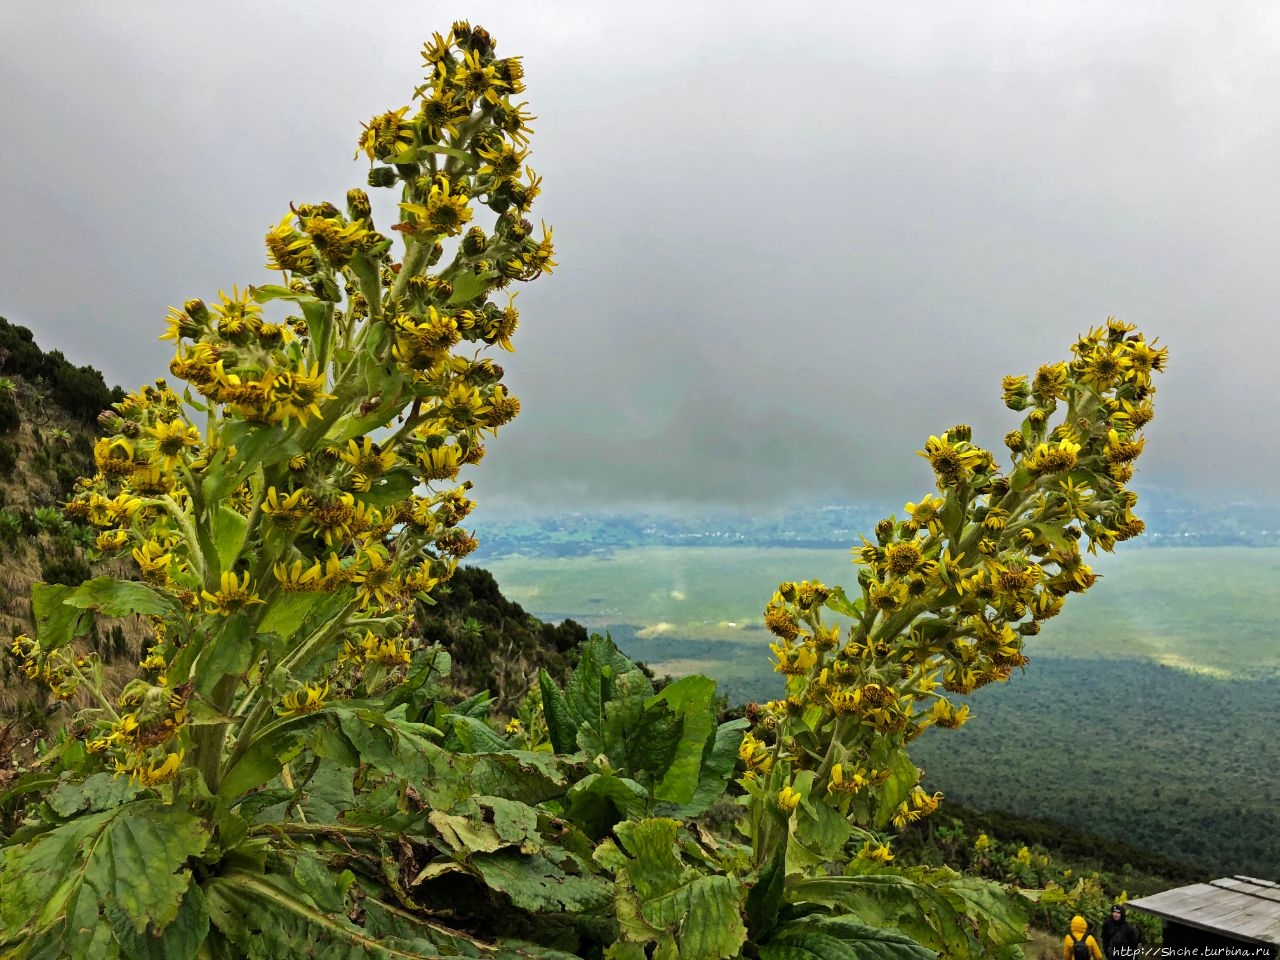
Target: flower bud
(787, 590)
(196, 310)
(418, 286)
(437, 251)
(884, 531)
(999, 486)
(515, 227)
(382, 177)
(474, 242)
(961, 431)
(1029, 629)
(110, 421)
(1015, 441)
(358, 204)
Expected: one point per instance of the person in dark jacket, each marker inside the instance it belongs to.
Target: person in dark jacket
(1119, 936)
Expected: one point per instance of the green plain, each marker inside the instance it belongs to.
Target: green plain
(1207, 610)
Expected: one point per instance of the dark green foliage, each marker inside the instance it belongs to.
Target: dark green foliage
(8, 457)
(78, 390)
(10, 415)
(495, 644)
(64, 564)
(1083, 850)
(1145, 782)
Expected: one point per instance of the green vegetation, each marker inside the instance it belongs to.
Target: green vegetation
(1174, 763)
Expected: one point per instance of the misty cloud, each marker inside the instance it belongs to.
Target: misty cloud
(791, 247)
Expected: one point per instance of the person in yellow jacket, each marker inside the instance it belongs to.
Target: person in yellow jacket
(1078, 944)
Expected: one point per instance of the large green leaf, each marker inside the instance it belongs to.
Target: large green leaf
(960, 916)
(692, 699)
(719, 760)
(764, 900)
(562, 727)
(180, 940)
(839, 938)
(287, 611)
(271, 917)
(118, 598)
(660, 899)
(229, 652)
(66, 884)
(57, 622)
(228, 535)
(101, 791)
(602, 674)
(549, 881)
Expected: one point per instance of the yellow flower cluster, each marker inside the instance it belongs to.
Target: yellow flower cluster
(949, 592)
(316, 450)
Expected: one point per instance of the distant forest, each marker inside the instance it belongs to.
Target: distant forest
(1177, 764)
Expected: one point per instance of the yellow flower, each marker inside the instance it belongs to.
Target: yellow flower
(444, 212)
(369, 460)
(238, 313)
(502, 161)
(945, 714)
(379, 586)
(307, 699)
(232, 596)
(1122, 449)
(172, 438)
(288, 250)
(793, 661)
(788, 800)
(877, 852)
(477, 82)
(111, 540)
(155, 773)
(952, 462)
(842, 782)
(113, 456)
(902, 558)
(1049, 458)
(289, 511)
(153, 562)
(386, 135)
(888, 597)
(295, 578)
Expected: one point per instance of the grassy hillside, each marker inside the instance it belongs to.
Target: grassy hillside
(48, 409)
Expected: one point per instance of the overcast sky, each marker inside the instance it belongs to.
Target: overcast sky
(792, 244)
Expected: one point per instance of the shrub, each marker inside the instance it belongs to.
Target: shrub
(10, 415)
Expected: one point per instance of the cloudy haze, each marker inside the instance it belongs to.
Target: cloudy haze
(791, 246)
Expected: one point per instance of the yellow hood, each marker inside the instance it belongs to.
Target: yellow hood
(1078, 926)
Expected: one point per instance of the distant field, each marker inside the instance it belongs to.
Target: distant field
(685, 609)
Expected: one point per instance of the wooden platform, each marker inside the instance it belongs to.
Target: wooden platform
(1242, 907)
